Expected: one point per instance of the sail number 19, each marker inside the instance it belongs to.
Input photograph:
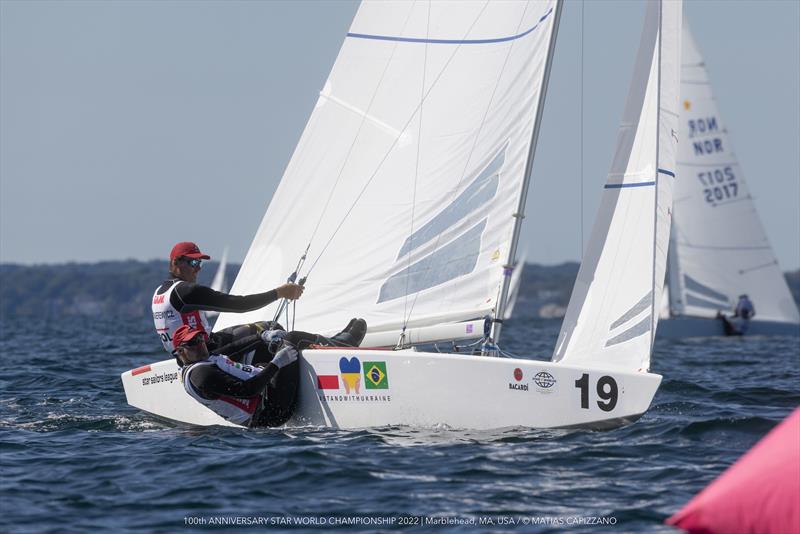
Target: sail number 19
(607, 390)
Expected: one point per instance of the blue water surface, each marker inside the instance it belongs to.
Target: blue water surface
(76, 457)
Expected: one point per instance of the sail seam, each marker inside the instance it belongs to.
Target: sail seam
(449, 41)
(627, 186)
(714, 247)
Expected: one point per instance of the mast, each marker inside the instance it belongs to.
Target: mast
(656, 298)
(673, 274)
(497, 320)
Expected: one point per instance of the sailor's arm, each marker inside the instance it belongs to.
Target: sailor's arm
(189, 297)
(212, 382)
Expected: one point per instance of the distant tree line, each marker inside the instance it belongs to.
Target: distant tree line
(124, 288)
(119, 287)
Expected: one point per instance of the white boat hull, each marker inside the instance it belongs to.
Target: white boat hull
(425, 389)
(681, 327)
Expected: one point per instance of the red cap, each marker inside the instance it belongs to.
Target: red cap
(183, 334)
(189, 250)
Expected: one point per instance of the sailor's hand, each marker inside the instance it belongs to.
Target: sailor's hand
(285, 356)
(290, 291)
(273, 339)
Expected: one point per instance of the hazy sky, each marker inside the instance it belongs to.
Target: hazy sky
(127, 126)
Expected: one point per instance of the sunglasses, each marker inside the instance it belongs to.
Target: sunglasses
(191, 262)
(196, 340)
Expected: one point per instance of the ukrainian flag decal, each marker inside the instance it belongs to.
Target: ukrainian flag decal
(351, 374)
(375, 375)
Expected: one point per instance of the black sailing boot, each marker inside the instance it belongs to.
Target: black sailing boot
(352, 335)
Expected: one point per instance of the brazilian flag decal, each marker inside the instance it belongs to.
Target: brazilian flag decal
(375, 375)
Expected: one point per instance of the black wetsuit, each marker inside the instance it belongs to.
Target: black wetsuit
(212, 382)
(189, 297)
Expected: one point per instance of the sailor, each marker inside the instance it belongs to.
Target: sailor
(248, 395)
(740, 322)
(181, 301)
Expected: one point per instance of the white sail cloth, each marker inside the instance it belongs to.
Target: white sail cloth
(219, 283)
(612, 314)
(719, 247)
(407, 176)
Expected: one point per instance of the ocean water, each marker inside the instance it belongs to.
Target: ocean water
(76, 457)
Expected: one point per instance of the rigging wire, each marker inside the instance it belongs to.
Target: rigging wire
(406, 313)
(475, 141)
(357, 135)
(580, 100)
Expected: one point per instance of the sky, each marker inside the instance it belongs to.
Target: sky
(128, 126)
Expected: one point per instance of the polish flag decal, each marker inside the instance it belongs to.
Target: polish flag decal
(327, 382)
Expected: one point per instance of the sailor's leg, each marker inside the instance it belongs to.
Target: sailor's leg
(728, 326)
(281, 397)
(234, 334)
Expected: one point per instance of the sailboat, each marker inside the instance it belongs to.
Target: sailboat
(403, 202)
(220, 283)
(718, 247)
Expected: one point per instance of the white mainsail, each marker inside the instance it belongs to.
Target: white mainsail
(405, 182)
(612, 313)
(719, 247)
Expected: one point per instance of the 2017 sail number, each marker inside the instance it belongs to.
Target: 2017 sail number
(607, 390)
(720, 184)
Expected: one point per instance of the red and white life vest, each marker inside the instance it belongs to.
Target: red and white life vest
(167, 319)
(234, 409)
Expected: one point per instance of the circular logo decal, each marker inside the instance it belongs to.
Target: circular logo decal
(544, 380)
(518, 374)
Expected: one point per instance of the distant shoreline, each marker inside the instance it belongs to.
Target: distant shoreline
(124, 288)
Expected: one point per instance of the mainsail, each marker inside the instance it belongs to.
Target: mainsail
(613, 311)
(719, 249)
(405, 184)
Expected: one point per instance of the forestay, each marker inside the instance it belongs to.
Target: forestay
(406, 179)
(612, 314)
(719, 247)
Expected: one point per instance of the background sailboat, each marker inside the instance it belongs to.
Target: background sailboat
(718, 248)
(418, 155)
(514, 284)
(220, 283)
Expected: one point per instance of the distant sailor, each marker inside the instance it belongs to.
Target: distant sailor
(248, 395)
(740, 322)
(180, 301)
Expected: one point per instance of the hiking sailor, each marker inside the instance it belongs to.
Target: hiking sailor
(181, 301)
(249, 395)
(741, 317)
